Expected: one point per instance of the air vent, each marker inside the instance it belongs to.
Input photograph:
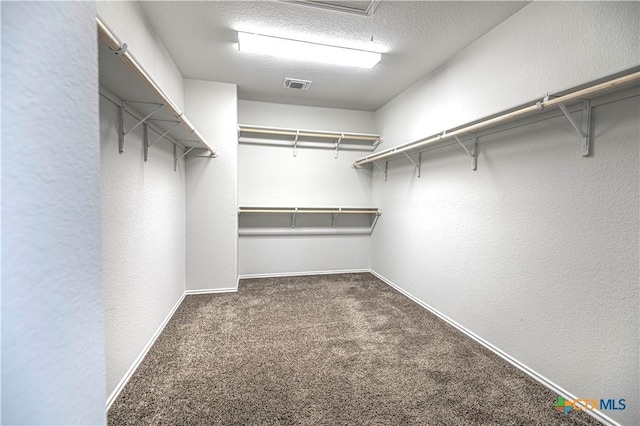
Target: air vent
(296, 84)
(359, 7)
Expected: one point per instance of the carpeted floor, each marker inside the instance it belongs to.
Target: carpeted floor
(325, 350)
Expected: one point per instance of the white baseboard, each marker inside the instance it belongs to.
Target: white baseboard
(211, 290)
(143, 353)
(538, 377)
(298, 274)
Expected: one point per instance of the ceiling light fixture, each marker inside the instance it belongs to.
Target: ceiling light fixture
(305, 51)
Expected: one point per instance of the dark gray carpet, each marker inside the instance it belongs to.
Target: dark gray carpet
(325, 350)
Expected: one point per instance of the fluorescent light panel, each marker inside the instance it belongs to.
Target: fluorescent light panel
(305, 51)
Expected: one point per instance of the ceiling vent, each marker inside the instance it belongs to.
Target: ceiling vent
(358, 7)
(296, 84)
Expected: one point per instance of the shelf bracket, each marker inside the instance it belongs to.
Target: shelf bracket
(158, 107)
(335, 155)
(295, 144)
(177, 123)
(121, 128)
(583, 134)
(145, 140)
(293, 218)
(176, 158)
(473, 154)
(375, 220)
(335, 217)
(381, 169)
(416, 165)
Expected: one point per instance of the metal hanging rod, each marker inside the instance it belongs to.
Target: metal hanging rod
(308, 133)
(120, 49)
(578, 95)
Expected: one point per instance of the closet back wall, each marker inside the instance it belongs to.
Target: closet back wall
(272, 176)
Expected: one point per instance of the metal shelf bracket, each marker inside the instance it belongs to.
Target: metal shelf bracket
(176, 158)
(585, 119)
(585, 139)
(375, 220)
(335, 217)
(121, 127)
(176, 124)
(417, 165)
(122, 132)
(295, 144)
(293, 218)
(386, 163)
(473, 154)
(335, 154)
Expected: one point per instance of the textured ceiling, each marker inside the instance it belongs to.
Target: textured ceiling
(415, 37)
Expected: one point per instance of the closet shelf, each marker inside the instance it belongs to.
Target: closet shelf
(125, 83)
(315, 210)
(330, 227)
(299, 138)
(576, 96)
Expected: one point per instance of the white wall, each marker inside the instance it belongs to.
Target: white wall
(143, 234)
(52, 315)
(544, 47)
(143, 208)
(272, 176)
(127, 21)
(212, 188)
(537, 251)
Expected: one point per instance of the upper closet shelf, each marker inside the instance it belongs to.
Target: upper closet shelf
(299, 138)
(577, 96)
(124, 82)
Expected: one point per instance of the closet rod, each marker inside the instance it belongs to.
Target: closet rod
(573, 96)
(115, 45)
(309, 133)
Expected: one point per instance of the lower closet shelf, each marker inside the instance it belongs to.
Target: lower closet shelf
(306, 221)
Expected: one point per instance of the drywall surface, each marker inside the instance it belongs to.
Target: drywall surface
(126, 19)
(537, 251)
(143, 240)
(272, 176)
(52, 312)
(212, 188)
(296, 255)
(544, 47)
(305, 117)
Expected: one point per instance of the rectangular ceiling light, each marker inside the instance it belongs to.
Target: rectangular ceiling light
(305, 51)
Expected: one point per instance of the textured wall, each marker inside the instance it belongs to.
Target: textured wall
(143, 234)
(128, 22)
(537, 251)
(212, 188)
(272, 176)
(544, 47)
(52, 314)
